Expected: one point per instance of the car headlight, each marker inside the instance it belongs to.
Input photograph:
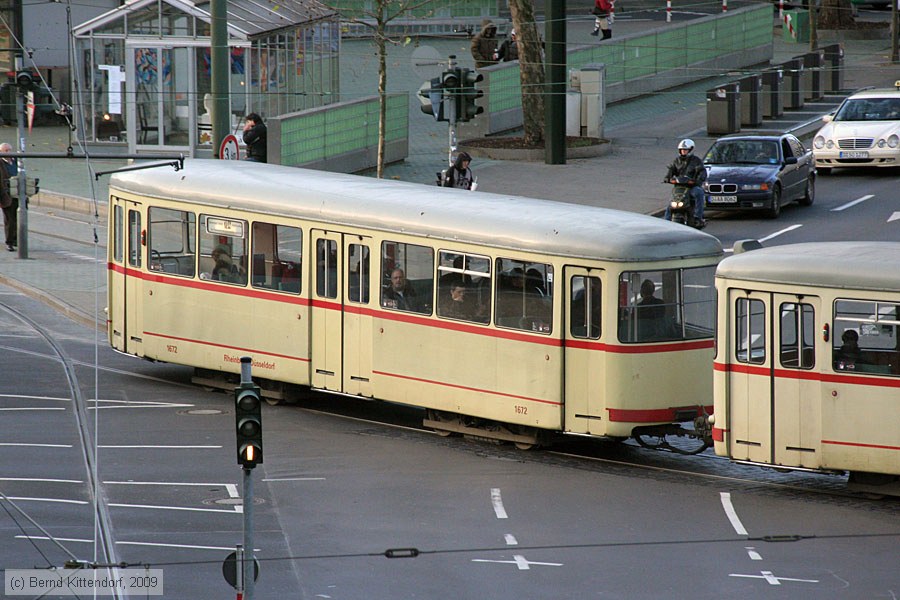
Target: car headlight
(755, 186)
(893, 141)
(819, 142)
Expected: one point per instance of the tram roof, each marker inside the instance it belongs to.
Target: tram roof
(511, 222)
(847, 265)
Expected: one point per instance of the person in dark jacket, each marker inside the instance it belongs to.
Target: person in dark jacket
(255, 138)
(688, 165)
(459, 175)
(484, 45)
(509, 49)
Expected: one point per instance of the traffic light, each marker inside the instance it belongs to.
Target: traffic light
(467, 108)
(248, 425)
(432, 97)
(25, 80)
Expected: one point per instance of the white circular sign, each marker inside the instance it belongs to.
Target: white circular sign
(229, 150)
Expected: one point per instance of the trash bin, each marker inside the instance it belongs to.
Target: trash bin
(723, 109)
(813, 63)
(795, 27)
(834, 68)
(792, 90)
(751, 100)
(772, 86)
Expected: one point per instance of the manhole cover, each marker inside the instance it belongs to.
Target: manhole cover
(202, 411)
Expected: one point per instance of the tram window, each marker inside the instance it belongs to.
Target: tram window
(407, 277)
(667, 305)
(134, 238)
(864, 337)
(118, 233)
(171, 234)
(750, 331)
(464, 286)
(358, 273)
(277, 252)
(796, 344)
(524, 295)
(326, 268)
(223, 249)
(585, 307)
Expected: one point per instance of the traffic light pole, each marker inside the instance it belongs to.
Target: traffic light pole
(247, 564)
(22, 213)
(451, 116)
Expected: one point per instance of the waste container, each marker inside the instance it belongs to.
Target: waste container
(772, 86)
(834, 68)
(751, 100)
(723, 109)
(813, 63)
(792, 90)
(795, 27)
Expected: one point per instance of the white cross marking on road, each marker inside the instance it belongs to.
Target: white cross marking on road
(767, 575)
(519, 561)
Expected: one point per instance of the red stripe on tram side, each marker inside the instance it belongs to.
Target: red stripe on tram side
(655, 415)
(873, 380)
(861, 445)
(467, 388)
(165, 336)
(718, 434)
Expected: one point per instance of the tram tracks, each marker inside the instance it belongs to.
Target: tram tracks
(105, 551)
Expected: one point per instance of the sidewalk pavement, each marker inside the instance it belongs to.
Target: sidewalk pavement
(66, 267)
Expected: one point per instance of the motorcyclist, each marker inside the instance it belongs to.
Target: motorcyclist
(688, 165)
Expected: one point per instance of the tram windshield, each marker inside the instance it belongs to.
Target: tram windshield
(667, 305)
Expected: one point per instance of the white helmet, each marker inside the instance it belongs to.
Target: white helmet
(686, 144)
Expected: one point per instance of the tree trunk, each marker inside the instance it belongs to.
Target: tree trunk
(382, 93)
(835, 14)
(531, 69)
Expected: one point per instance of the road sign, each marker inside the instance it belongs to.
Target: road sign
(229, 569)
(229, 150)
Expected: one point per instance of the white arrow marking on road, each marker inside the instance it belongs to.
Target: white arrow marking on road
(519, 561)
(732, 514)
(853, 203)
(894, 217)
(767, 575)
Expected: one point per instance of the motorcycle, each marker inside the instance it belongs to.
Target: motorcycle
(681, 206)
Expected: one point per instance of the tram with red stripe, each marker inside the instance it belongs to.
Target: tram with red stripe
(502, 316)
(807, 370)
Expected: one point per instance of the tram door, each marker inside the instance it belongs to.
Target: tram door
(326, 311)
(750, 375)
(357, 320)
(132, 298)
(797, 420)
(585, 366)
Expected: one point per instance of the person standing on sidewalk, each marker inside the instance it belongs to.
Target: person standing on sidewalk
(509, 49)
(484, 45)
(459, 175)
(602, 9)
(255, 137)
(9, 203)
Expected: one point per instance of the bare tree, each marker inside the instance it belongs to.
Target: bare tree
(377, 19)
(531, 69)
(835, 14)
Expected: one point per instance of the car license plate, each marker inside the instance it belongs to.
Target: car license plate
(722, 199)
(854, 154)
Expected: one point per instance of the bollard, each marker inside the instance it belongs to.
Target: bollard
(834, 68)
(751, 100)
(772, 89)
(792, 91)
(811, 81)
(723, 109)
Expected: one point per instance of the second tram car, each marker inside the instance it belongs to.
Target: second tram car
(501, 315)
(807, 373)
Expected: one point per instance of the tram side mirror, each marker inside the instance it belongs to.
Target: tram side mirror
(742, 246)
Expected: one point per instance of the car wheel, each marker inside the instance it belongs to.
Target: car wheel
(775, 209)
(810, 196)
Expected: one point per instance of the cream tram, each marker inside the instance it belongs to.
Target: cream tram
(501, 315)
(807, 370)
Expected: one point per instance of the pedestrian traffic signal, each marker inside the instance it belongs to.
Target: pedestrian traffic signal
(432, 97)
(467, 107)
(248, 425)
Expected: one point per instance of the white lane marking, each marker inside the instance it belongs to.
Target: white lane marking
(24, 445)
(293, 479)
(497, 501)
(26, 408)
(782, 232)
(58, 500)
(228, 486)
(894, 216)
(519, 561)
(768, 576)
(41, 480)
(237, 509)
(127, 447)
(511, 540)
(752, 553)
(731, 514)
(123, 543)
(134, 404)
(20, 397)
(851, 203)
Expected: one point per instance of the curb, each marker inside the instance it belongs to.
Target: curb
(537, 154)
(55, 303)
